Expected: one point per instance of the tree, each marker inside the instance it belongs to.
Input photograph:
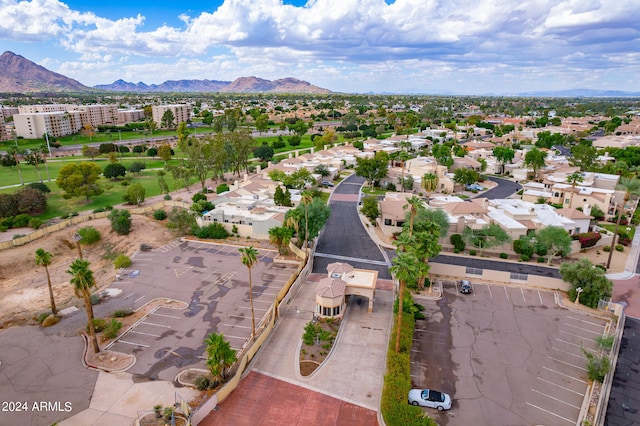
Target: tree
(630, 186)
(262, 122)
(574, 179)
(280, 237)
(403, 269)
(299, 128)
(465, 176)
(83, 281)
(30, 200)
(556, 240)
(535, 159)
(322, 170)
(442, 154)
(165, 152)
(249, 259)
(120, 221)
(90, 152)
(44, 258)
(310, 217)
(282, 198)
(168, 119)
(220, 356)
(503, 154)
(583, 155)
(429, 183)
(12, 160)
(370, 208)
(135, 194)
(305, 200)
(414, 204)
(488, 236)
(181, 221)
(590, 279)
(162, 183)
(114, 171)
(136, 167)
(152, 152)
(79, 179)
(264, 152)
(372, 169)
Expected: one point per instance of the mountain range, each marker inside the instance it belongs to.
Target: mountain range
(20, 75)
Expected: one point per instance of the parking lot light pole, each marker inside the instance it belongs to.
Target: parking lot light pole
(77, 237)
(578, 291)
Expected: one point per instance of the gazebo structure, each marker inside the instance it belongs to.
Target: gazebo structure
(343, 280)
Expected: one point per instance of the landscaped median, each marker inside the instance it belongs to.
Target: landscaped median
(397, 380)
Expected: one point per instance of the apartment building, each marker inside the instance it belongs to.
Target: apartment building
(54, 124)
(181, 113)
(129, 116)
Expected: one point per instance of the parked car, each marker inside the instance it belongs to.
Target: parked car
(465, 287)
(327, 183)
(430, 398)
(473, 187)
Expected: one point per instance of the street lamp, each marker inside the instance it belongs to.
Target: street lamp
(578, 291)
(77, 237)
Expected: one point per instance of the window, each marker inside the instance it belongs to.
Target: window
(519, 277)
(474, 271)
(387, 222)
(336, 310)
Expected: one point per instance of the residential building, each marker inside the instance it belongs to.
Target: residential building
(181, 113)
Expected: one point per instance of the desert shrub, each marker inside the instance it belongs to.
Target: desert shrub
(223, 187)
(167, 197)
(198, 196)
(597, 366)
(98, 325)
(215, 231)
(35, 222)
(619, 247)
(121, 313)
(472, 252)
(523, 246)
(99, 210)
(42, 187)
(202, 206)
(21, 221)
(202, 383)
(606, 248)
(122, 261)
(120, 221)
(587, 239)
(159, 214)
(112, 328)
(524, 257)
(541, 259)
(311, 331)
(503, 255)
(89, 234)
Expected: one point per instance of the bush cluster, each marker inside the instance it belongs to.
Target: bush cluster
(458, 242)
(215, 231)
(587, 239)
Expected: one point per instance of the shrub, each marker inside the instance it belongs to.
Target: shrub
(120, 221)
(99, 324)
(35, 222)
(541, 259)
(95, 299)
(215, 231)
(223, 187)
(198, 196)
(167, 197)
(42, 316)
(98, 210)
(122, 261)
(159, 214)
(504, 255)
(202, 206)
(89, 235)
(458, 242)
(587, 239)
(121, 313)
(606, 248)
(597, 366)
(21, 221)
(202, 383)
(16, 236)
(472, 252)
(524, 258)
(42, 187)
(619, 247)
(112, 328)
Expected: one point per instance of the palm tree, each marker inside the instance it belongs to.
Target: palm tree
(630, 186)
(82, 281)
(249, 258)
(403, 269)
(415, 204)
(574, 179)
(430, 183)
(220, 356)
(15, 152)
(306, 200)
(43, 258)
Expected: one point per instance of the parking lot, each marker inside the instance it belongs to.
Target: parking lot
(211, 283)
(506, 355)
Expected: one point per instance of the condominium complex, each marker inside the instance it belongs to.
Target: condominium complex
(181, 113)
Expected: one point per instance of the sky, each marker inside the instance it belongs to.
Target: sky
(465, 47)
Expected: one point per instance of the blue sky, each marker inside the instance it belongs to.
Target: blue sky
(355, 46)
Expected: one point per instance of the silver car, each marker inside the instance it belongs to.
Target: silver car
(430, 398)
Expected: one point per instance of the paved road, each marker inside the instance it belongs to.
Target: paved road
(497, 265)
(504, 189)
(344, 238)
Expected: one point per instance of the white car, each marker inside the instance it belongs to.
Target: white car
(430, 398)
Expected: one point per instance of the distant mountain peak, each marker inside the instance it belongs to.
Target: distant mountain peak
(18, 74)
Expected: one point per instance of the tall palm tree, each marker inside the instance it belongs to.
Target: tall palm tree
(249, 258)
(404, 269)
(430, 183)
(43, 258)
(415, 204)
(15, 152)
(306, 200)
(574, 179)
(630, 186)
(82, 280)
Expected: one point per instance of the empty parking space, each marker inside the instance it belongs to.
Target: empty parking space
(507, 355)
(212, 286)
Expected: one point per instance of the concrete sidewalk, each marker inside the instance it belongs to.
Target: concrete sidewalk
(354, 370)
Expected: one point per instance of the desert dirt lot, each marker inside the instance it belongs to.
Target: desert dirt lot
(23, 284)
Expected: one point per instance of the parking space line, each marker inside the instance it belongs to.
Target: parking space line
(585, 329)
(254, 308)
(585, 321)
(234, 337)
(561, 387)
(540, 297)
(565, 375)
(133, 344)
(156, 325)
(549, 412)
(566, 363)
(554, 398)
(506, 293)
(138, 299)
(576, 345)
(576, 335)
(163, 315)
(490, 294)
(568, 353)
(145, 334)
